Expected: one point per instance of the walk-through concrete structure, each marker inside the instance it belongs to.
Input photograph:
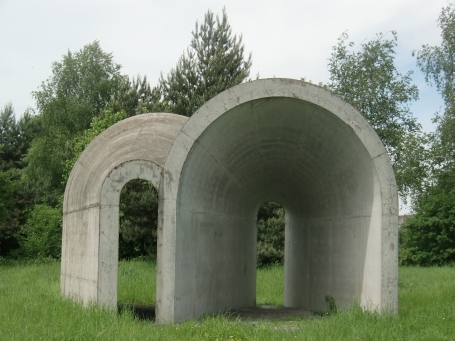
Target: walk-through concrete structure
(267, 140)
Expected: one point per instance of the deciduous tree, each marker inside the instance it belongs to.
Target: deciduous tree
(367, 78)
(81, 85)
(429, 238)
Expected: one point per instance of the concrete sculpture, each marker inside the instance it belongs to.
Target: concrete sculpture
(268, 140)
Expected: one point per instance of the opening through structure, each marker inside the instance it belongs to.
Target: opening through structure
(138, 217)
(270, 255)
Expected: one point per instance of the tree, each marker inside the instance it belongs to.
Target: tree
(16, 137)
(135, 97)
(429, 238)
(6, 195)
(80, 142)
(81, 85)
(368, 80)
(213, 62)
(270, 235)
(8, 137)
(138, 220)
(41, 236)
(438, 65)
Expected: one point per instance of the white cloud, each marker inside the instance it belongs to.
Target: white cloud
(287, 38)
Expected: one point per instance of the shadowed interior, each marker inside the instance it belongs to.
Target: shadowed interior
(303, 157)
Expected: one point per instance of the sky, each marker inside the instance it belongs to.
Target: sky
(287, 39)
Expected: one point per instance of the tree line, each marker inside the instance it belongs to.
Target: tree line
(87, 92)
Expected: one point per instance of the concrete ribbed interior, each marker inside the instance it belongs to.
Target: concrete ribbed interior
(305, 158)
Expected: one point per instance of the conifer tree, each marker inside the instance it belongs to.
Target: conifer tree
(213, 62)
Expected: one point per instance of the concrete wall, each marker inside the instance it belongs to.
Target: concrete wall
(301, 146)
(268, 140)
(134, 148)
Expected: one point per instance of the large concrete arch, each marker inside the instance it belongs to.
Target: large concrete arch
(134, 148)
(276, 139)
(297, 144)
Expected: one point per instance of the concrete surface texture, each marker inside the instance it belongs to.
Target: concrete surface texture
(267, 140)
(134, 148)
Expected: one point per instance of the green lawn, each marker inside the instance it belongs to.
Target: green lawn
(31, 309)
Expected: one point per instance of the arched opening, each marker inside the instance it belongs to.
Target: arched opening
(138, 216)
(274, 139)
(135, 148)
(270, 254)
(296, 144)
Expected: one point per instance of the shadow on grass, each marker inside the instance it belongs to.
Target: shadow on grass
(146, 312)
(270, 313)
(143, 312)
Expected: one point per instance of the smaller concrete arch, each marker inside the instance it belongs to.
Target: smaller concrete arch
(133, 148)
(109, 222)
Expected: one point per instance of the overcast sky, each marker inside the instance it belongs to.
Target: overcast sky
(287, 38)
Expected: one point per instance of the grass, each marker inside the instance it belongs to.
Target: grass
(31, 309)
(270, 286)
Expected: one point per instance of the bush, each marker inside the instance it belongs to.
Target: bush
(138, 220)
(41, 236)
(429, 237)
(271, 225)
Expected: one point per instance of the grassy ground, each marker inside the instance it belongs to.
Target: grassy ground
(31, 309)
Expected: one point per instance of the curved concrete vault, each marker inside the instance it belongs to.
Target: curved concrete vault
(268, 140)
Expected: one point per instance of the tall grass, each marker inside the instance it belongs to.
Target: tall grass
(31, 309)
(270, 286)
(136, 282)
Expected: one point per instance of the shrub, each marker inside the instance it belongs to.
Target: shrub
(41, 236)
(271, 225)
(429, 237)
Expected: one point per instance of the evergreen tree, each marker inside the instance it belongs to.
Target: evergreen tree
(135, 97)
(270, 234)
(213, 62)
(16, 138)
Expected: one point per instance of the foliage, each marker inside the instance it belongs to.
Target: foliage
(213, 62)
(437, 62)
(8, 136)
(438, 65)
(6, 195)
(136, 97)
(15, 137)
(138, 220)
(80, 142)
(368, 80)
(271, 230)
(331, 305)
(41, 236)
(429, 238)
(80, 87)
